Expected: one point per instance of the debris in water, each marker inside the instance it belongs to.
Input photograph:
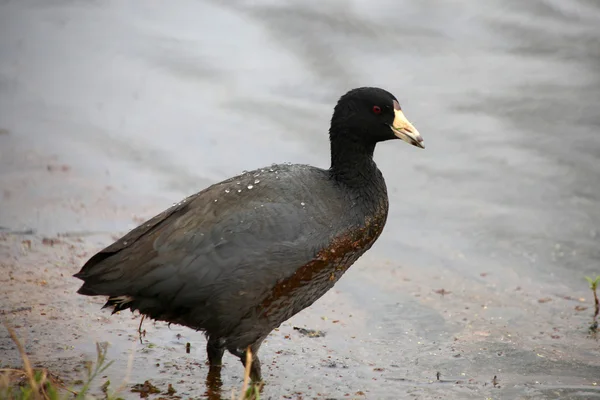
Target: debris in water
(142, 333)
(15, 310)
(144, 389)
(312, 333)
(170, 390)
(544, 300)
(594, 327)
(63, 168)
(50, 242)
(442, 291)
(12, 232)
(594, 283)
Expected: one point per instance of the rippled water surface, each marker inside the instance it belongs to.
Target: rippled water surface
(502, 209)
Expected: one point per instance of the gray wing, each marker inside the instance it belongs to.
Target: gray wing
(200, 248)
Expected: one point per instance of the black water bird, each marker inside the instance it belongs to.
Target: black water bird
(242, 256)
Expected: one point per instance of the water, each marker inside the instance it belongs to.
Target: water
(501, 209)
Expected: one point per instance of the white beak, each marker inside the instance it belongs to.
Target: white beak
(404, 130)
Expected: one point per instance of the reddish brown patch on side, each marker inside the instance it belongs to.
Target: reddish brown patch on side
(328, 266)
(396, 105)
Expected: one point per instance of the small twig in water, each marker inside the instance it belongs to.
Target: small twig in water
(140, 332)
(594, 283)
(141, 322)
(495, 381)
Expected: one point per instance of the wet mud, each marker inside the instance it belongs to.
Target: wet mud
(112, 111)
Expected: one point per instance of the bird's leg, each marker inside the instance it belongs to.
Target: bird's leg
(255, 373)
(214, 350)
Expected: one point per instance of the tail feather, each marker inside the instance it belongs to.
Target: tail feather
(152, 308)
(119, 303)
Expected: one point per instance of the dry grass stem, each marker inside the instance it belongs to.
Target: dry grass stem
(247, 372)
(26, 364)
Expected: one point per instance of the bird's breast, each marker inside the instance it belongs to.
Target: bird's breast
(313, 279)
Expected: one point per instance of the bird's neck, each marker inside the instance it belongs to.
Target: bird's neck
(352, 165)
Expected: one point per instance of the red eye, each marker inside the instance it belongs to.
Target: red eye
(377, 109)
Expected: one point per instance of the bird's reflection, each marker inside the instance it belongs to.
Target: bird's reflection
(214, 384)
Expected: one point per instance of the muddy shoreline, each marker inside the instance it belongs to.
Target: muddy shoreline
(447, 328)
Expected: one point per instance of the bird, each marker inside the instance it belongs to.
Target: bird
(242, 256)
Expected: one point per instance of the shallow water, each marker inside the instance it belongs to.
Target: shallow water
(502, 209)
